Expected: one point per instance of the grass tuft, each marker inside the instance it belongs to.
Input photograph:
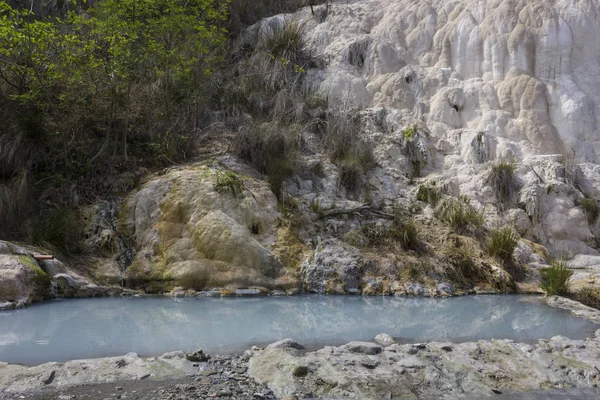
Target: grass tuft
(504, 182)
(460, 215)
(285, 41)
(406, 234)
(271, 150)
(590, 208)
(429, 194)
(502, 244)
(555, 279)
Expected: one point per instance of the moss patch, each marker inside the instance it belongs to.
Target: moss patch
(41, 280)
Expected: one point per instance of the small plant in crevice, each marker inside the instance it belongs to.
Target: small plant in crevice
(460, 215)
(410, 132)
(462, 268)
(413, 148)
(406, 234)
(503, 180)
(590, 208)
(429, 194)
(571, 171)
(228, 181)
(353, 155)
(555, 279)
(285, 41)
(315, 206)
(350, 173)
(502, 244)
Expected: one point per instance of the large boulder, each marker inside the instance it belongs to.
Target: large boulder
(334, 268)
(22, 280)
(25, 279)
(202, 227)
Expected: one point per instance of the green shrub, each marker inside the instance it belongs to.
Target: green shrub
(590, 208)
(588, 296)
(502, 244)
(555, 279)
(460, 215)
(429, 194)
(58, 229)
(244, 13)
(228, 181)
(315, 206)
(504, 182)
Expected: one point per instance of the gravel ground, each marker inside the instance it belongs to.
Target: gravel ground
(221, 377)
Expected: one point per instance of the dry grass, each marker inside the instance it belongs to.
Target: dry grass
(271, 150)
(460, 215)
(590, 208)
(503, 180)
(588, 296)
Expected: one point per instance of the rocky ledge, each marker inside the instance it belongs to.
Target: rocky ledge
(173, 375)
(365, 370)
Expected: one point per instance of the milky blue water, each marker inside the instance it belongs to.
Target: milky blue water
(89, 328)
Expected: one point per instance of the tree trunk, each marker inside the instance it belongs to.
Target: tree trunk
(126, 130)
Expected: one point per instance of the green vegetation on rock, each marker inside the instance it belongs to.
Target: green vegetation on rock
(504, 182)
(590, 208)
(460, 215)
(228, 181)
(555, 279)
(271, 149)
(588, 296)
(429, 194)
(502, 243)
(41, 280)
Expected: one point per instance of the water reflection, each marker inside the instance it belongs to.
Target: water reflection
(88, 328)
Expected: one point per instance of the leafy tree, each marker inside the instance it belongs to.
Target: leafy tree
(90, 76)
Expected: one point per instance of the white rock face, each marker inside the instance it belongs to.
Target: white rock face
(483, 80)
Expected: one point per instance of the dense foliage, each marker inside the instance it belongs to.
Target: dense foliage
(87, 89)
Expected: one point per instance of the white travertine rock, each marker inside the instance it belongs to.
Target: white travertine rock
(484, 80)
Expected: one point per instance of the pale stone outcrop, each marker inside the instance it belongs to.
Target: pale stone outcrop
(24, 279)
(206, 227)
(431, 370)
